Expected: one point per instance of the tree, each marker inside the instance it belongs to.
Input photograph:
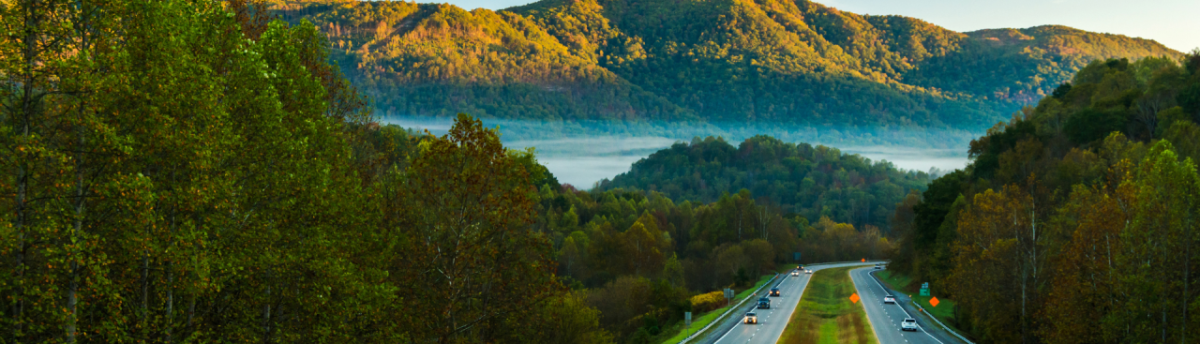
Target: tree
(1001, 255)
(1161, 244)
(471, 259)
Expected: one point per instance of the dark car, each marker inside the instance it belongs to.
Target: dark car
(774, 291)
(764, 303)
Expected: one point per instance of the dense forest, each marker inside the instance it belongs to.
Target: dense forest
(1077, 220)
(182, 171)
(809, 181)
(644, 259)
(728, 60)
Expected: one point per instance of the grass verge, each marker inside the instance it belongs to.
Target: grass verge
(702, 320)
(944, 311)
(825, 313)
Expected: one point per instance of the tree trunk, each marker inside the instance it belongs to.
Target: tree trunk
(33, 18)
(145, 285)
(74, 243)
(1187, 260)
(170, 314)
(266, 313)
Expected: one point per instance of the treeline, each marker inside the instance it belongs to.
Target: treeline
(1077, 220)
(795, 62)
(811, 182)
(186, 171)
(644, 259)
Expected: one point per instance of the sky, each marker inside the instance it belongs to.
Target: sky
(1174, 23)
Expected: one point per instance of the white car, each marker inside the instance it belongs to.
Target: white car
(878, 266)
(795, 273)
(889, 299)
(909, 324)
(808, 272)
(751, 318)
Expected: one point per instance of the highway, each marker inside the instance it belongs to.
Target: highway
(771, 322)
(885, 318)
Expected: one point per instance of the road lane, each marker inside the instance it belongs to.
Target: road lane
(771, 322)
(885, 318)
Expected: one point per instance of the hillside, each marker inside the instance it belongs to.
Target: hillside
(723, 60)
(810, 181)
(1098, 180)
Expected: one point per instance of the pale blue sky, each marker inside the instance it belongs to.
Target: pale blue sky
(1174, 23)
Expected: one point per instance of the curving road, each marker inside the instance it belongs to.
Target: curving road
(885, 318)
(771, 322)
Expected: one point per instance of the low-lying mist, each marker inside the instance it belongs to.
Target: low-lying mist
(582, 153)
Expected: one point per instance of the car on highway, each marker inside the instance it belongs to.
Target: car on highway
(909, 324)
(751, 318)
(764, 303)
(774, 291)
(889, 299)
(795, 273)
(808, 272)
(878, 266)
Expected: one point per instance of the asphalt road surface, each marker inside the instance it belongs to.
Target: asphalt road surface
(771, 322)
(885, 318)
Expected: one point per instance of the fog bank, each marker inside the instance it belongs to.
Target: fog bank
(583, 153)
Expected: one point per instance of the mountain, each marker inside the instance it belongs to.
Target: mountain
(782, 61)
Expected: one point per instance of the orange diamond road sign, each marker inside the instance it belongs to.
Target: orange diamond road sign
(864, 260)
(933, 301)
(854, 298)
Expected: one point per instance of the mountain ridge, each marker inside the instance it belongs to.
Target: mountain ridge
(797, 62)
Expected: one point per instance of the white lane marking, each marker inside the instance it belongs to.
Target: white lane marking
(922, 328)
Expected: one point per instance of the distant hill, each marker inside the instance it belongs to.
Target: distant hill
(716, 60)
(810, 181)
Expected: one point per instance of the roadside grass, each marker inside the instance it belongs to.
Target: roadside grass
(825, 313)
(699, 321)
(944, 311)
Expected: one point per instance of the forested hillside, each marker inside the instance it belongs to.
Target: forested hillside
(182, 171)
(812, 182)
(1077, 220)
(727, 60)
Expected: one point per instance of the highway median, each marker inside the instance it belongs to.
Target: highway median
(826, 313)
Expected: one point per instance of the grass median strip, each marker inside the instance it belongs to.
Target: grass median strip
(825, 313)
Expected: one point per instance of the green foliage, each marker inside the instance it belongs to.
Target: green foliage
(644, 257)
(1074, 221)
(808, 181)
(1090, 125)
(766, 60)
(193, 172)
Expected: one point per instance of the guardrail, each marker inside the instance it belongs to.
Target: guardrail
(721, 318)
(922, 309)
(935, 319)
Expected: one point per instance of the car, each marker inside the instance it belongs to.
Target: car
(795, 273)
(808, 272)
(764, 303)
(909, 324)
(751, 318)
(878, 266)
(889, 299)
(774, 291)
